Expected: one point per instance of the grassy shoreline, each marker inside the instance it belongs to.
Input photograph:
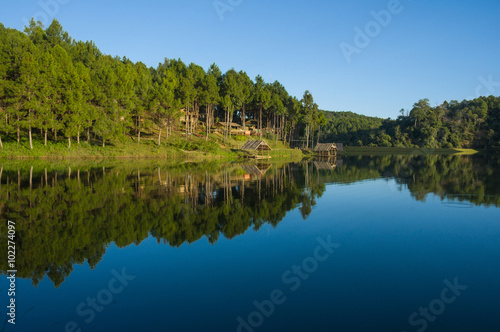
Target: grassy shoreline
(179, 150)
(175, 149)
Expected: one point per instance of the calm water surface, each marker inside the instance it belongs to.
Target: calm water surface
(366, 243)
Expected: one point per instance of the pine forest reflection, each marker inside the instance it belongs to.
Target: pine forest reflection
(70, 214)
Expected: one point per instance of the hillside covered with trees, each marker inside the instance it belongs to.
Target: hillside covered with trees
(53, 87)
(467, 124)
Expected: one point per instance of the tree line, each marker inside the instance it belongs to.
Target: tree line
(53, 87)
(467, 124)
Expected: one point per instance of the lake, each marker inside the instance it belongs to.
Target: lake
(360, 243)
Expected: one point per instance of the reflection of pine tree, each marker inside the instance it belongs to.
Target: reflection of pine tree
(69, 215)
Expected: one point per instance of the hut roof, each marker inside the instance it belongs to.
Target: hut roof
(256, 169)
(324, 147)
(232, 124)
(256, 145)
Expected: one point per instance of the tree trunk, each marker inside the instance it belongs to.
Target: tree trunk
(274, 124)
(69, 143)
(319, 132)
(31, 141)
(159, 137)
(78, 136)
(230, 122)
(225, 125)
(207, 121)
(282, 129)
(196, 116)
(243, 117)
(1, 145)
(187, 121)
(45, 138)
(139, 130)
(88, 135)
(260, 121)
(103, 142)
(307, 137)
(18, 131)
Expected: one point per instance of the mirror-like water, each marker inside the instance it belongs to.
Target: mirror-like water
(363, 243)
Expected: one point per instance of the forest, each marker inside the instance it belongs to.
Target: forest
(53, 87)
(467, 124)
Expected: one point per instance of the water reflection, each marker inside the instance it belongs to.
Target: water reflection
(68, 215)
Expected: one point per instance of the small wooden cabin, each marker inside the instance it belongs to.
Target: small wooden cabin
(326, 149)
(235, 128)
(257, 149)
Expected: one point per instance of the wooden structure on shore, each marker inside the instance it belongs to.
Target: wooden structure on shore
(328, 149)
(257, 149)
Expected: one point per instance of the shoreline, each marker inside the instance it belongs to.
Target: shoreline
(148, 151)
(130, 151)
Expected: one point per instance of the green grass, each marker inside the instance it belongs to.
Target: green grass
(466, 151)
(176, 147)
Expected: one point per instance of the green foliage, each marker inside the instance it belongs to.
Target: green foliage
(469, 124)
(196, 145)
(60, 87)
(240, 138)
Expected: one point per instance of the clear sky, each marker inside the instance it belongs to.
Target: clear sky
(441, 50)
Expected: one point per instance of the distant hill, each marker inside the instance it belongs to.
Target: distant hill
(349, 127)
(467, 124)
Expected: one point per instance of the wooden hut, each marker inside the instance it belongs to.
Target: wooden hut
(235, 128)
(326, 149)
(257, 149)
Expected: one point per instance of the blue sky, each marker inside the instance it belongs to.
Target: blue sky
(441, 50)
